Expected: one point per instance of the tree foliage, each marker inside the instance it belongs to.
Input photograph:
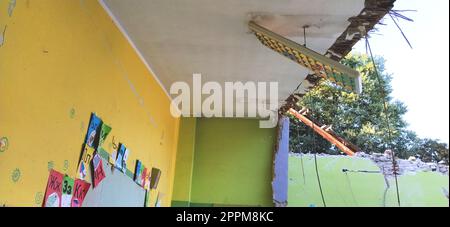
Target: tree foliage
(361, 119)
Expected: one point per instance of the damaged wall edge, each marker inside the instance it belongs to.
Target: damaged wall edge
(280, 164)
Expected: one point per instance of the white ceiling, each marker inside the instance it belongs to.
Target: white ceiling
(180, 37)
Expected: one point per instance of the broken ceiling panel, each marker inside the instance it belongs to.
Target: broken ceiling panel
(317, 63)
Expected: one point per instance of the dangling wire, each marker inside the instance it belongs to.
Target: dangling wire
(304, 44)
(396, 14)
(301, 154)
(315, 164)
(385, 107)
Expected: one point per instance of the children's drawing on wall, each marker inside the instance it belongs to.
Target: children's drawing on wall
(104, 132)
(53, 192)
(114, 147)
(86, 158)
(138, 172)
(67, 190)
(122, 156)
(144, 179)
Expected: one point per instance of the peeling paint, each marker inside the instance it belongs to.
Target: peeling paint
(11, 6)
(2, 36)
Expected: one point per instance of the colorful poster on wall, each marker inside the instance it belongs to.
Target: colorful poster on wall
(53, 192)
(124, 160)
(144, 177)
(80, 190)
(86, 158)
(67, 190)
(99, 173)
(122, 156)
(93, 130)
(154, 178)
(138, 172)
(113, 155)
(104, 132)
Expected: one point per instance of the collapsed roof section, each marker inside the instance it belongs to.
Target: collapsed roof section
(372, 13)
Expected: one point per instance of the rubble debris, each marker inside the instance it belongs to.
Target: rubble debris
(384, 162)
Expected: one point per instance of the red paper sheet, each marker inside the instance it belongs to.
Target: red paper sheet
(99, 173)
(53, 192)
(80, 190)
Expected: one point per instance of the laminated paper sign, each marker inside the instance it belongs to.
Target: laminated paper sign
(138, 172)
(154, 178)
(122, 156)
(53, 192)
(80, 190)
(104, 132)
(86, 158)
(144, 179)
(99, 173)
(113, 156)
(67, 190)
(93, 130)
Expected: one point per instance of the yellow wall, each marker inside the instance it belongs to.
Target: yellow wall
(60, 61)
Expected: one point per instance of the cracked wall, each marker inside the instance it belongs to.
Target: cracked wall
(418, 185)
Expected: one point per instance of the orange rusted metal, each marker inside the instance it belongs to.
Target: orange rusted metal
(330, 137)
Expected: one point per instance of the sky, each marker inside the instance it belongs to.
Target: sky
(420, 75)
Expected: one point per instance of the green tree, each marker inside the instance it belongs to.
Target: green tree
(430, 150)
(360, 119)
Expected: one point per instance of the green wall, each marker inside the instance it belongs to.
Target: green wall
(359, 189)
(232, 163)
(184, 162)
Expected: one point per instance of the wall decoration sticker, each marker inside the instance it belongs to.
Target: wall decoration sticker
(4, 143)
(15, 175)
(38, 198)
